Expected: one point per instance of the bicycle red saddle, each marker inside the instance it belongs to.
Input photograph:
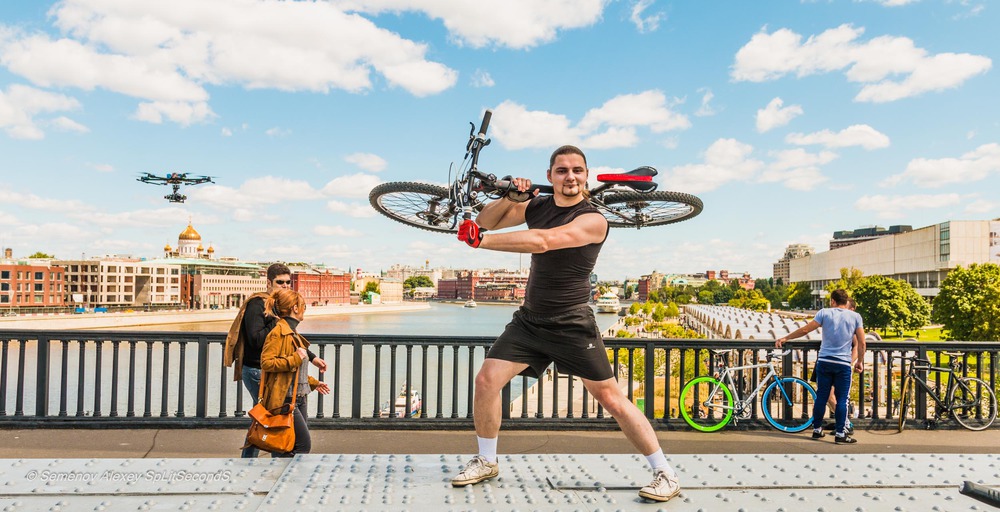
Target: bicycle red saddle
(640, 178)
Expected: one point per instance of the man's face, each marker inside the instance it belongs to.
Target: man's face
(568, 175)
(280, 281)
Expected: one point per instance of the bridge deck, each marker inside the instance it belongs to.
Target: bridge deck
(542, 482)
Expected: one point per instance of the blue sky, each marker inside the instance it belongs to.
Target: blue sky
(790, 121)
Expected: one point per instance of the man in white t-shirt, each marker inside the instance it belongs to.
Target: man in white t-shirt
(843, 338)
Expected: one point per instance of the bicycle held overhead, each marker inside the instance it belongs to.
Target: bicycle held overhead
(626, 199)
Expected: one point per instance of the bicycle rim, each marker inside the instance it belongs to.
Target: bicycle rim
(788, 404)
(694, 411)
(627, 209)
(904, 403)
(973, 404)
(420, 205)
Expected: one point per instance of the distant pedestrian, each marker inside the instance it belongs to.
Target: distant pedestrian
(556, 323)
(843, 338)
(247, 334)
(284, 364)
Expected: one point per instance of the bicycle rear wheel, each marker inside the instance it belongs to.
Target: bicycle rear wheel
(706, 404)
(420, 205)
(627, 209)
(904, 402)
(973, 404)
(788, 409)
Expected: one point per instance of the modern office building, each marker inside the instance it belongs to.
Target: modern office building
(791, 252)
(845, 238)
(121, 282)
(921, 257)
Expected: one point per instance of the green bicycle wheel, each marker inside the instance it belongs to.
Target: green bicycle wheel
(706, 404)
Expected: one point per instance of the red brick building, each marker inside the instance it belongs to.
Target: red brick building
(30, 286)
(320, 289)
(492, 286)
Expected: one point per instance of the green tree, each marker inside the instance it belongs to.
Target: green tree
(706, 297)
(682, 298)
(800, 295)
(968, 304)
(40, 256)
(634, 308)
(418, 282)
(659, 312)
(372, 286)
(752, 300)
(850, 278)
(723, 295)
(672, 310)
(886, 303)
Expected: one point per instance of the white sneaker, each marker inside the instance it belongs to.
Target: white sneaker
(477, 470)
(663, 487)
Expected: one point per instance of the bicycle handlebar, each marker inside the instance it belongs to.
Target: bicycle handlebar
(506, 185)
(485, 124)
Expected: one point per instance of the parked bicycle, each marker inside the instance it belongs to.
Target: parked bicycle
(627, 199)
(709, 403)
(970, 401)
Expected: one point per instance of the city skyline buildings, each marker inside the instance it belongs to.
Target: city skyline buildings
(790, 121)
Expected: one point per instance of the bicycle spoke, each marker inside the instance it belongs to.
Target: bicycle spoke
(706, 404)
(788, 403)
(416, 204)
(625, 209)
(973, 404)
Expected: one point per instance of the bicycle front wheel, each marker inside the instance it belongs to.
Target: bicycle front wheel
(973, 404)
(627, 209)
(904, 402)
(788, 404)
(706, 404)
(420, 205)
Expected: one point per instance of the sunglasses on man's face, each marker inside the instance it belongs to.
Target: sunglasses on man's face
(281, 282)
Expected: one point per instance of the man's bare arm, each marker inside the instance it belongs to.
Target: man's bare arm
(502, 213)
(584, 230)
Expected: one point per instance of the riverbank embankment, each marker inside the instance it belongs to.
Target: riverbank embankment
(140, 318)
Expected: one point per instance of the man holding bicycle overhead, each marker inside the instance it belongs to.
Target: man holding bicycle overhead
(843, 339)
(556, 324)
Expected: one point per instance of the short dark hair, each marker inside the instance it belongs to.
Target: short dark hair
(277, 269)
(566, 150)
(839, 297)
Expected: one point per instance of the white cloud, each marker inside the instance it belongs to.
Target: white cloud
(513, 23)
(854, 135)
(797, 169)
(226, 132)
(164, 217)
(53, 231)
(975, 165)
(611, 125)
(980, 207)
(20, 105)
(875, 63)
(482, 79)
(7, 219)
(892, 207)
(277, 132)
(647, 23)
(895, 3)
(706, 108)
(166, 54)
(66, 124)
(101, 167)
(32, 201)
(367, 161)
(263, 190)
(351, 186)
(335, 231)
(356, 210)
(773, 115)
(725, 161)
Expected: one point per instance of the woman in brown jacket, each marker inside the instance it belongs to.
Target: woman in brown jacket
(284, 360)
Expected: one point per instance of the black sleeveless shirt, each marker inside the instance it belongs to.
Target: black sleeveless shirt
(559, 279)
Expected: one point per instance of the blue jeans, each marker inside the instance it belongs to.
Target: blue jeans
(838, 377)
(251, 380)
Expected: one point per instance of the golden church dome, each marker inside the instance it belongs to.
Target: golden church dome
(200, 248)
(211, 249)
(167, 248)
(189, 234)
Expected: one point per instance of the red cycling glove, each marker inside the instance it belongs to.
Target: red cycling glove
(469, 232)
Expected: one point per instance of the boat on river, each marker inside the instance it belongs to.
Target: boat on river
(608, 303)
(400, 406)
(470, 303)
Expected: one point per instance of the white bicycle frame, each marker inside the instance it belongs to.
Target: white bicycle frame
(726, 378)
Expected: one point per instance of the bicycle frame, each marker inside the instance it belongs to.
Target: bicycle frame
(726, 378)
(953, 381)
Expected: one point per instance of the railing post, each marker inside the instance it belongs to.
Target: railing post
(505, 401)
(356, 380)
(201, 400)
(42, 378)
(649, 400)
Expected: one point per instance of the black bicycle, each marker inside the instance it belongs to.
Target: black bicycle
(969, 400)
(627, 200)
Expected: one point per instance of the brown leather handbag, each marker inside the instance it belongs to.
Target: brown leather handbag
(273, 433)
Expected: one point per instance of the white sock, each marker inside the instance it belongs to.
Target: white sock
(658, 462)
(487, 448)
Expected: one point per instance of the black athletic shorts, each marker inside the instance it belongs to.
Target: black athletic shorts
(570, 338)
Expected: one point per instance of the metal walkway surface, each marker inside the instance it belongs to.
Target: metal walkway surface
(536, 482)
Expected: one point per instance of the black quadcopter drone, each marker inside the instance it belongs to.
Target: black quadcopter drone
(176, 179)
